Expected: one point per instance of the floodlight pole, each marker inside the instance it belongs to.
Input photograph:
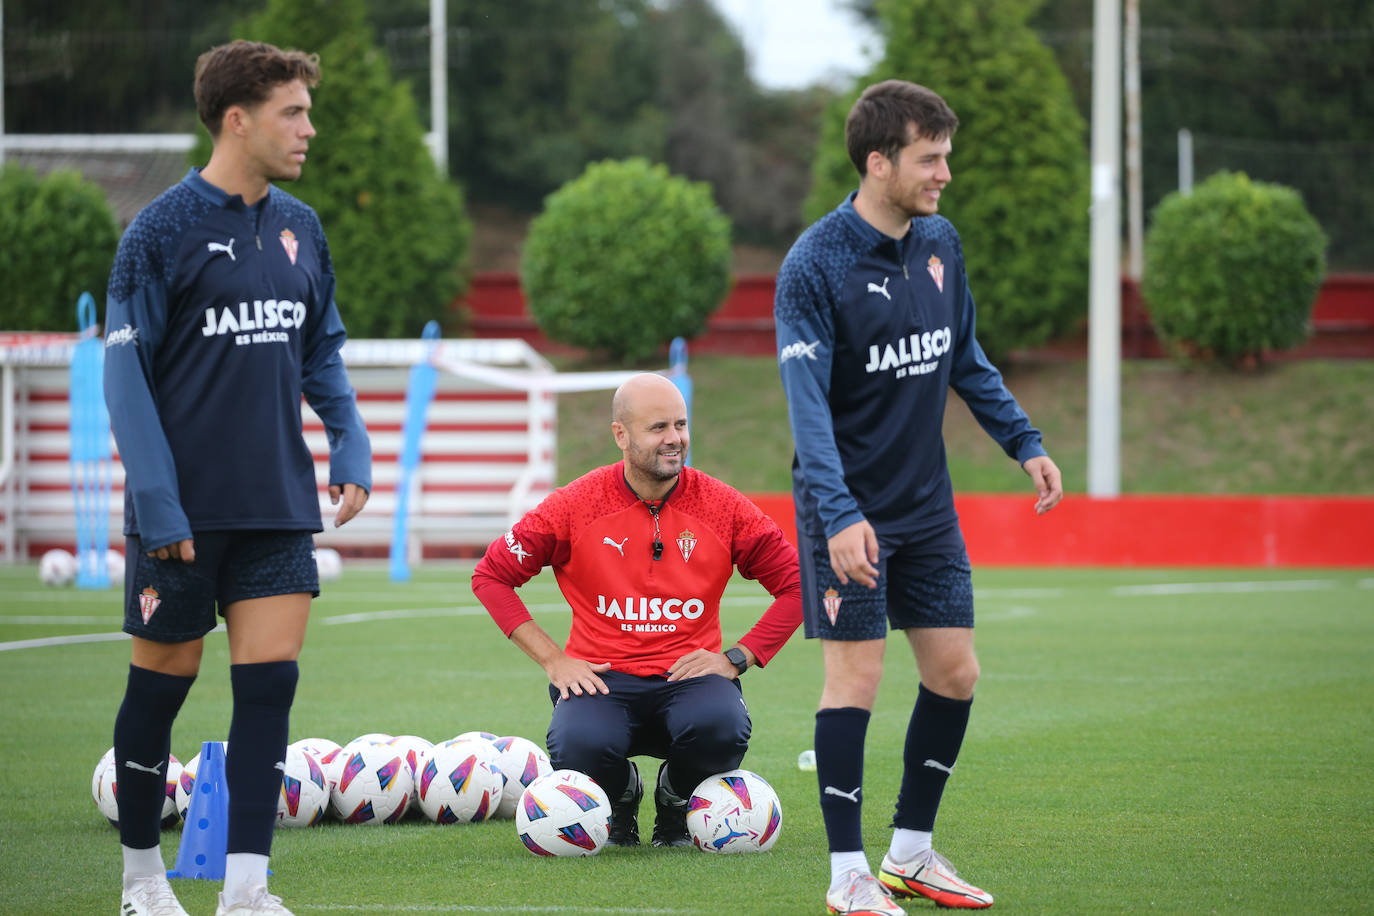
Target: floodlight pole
(1104, 270)
(438, 83)
(2, 82)
(1135, 197)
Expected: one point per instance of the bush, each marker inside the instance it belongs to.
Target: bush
(58, 237)
(1019, 195)
(625, 258)
(398, 231)
(1233, 270)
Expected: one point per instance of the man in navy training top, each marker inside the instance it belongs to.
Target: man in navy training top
(875, 321)
(220, 316)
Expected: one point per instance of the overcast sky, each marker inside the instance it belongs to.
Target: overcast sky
(795, 43)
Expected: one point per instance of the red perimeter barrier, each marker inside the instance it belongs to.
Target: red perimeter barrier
(1177, 531)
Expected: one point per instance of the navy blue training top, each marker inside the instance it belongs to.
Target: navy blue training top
(872, 331)
(219, 317)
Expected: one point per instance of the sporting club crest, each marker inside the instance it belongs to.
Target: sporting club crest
(288, 241)
(148, 602)
(832, 601)
(686, 542)
(937, 272)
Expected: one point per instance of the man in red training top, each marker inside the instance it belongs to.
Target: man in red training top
(642, 550)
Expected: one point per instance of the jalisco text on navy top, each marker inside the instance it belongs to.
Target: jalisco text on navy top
(219, 317)
(872, 331)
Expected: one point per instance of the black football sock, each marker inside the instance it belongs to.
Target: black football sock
(263, 694)
(932, 746)
(142, 740)
(840, 773)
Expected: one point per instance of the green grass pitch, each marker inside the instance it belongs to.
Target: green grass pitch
(1142, 741)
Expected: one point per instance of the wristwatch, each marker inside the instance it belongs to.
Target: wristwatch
(736, 656)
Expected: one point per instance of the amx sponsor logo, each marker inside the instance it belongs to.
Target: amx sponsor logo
(125, 335)
(516, 548)
(797, 350)
(914, 348)
(633, 608)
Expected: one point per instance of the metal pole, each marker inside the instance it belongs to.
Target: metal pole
(1185, 161)
(1135, 205)
(2, 82)
(438, 82)
(1104, 271)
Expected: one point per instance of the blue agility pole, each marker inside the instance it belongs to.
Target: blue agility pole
(89, 425)
(419, 393)
(677, 374)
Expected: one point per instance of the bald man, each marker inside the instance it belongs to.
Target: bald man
(642, 550)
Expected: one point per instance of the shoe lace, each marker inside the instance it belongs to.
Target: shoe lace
(157, 896)
(866, 890)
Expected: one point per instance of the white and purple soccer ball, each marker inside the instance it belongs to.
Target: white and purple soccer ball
(563, 814)
(374, 785)
(459, 782)
(736, 811)
(521, 762)
(304, 796)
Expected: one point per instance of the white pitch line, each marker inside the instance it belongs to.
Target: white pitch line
(38, 619)
(1011, 612)
(1209, 588)
(479, 908)
(61, 641)
(1365, 583)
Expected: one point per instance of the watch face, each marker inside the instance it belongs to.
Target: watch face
(738, 659)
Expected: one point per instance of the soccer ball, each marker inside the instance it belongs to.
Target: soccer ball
(736, 811)
(105, 789)
(333, 761)
(329, 563)
(413, 749)
(521, 762)
(563, 814)
(114, 565)
(186, 782)
(374, 786)
(459, 781)
(304, 792)
(315, 747)
(57, 567)
(468, 736)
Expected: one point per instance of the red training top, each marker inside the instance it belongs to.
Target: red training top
(638, 613)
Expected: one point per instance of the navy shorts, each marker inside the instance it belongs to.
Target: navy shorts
(921, 583)
(171, 601)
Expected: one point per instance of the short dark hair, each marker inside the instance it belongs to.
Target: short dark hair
(883, 117)
(245, 73)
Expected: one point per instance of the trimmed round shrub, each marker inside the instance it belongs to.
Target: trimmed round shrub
(1232, 270)
(1019, 194)
(626, 257)
(58, 236)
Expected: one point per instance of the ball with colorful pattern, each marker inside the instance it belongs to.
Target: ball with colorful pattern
(736, 811)
(563, 814)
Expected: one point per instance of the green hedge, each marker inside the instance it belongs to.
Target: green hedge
(58, 237)
(1233, 270)
(1019, 194)
(626, 257)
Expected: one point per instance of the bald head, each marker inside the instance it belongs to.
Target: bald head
(641, 390)
(649, 421)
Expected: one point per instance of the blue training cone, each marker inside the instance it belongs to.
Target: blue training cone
(205, 835)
